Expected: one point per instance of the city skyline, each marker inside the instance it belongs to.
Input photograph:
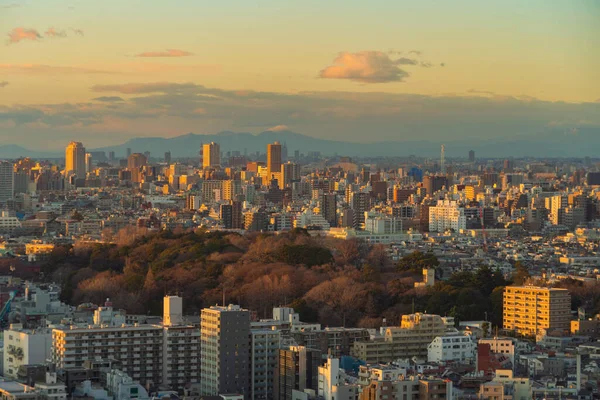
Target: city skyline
(389, 71)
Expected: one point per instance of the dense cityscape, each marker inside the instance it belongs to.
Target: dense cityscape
(283, 275)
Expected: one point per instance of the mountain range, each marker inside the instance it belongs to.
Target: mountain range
(550, 143)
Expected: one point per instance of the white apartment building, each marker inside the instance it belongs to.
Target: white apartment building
(138, 348)
(332, 385)
(264, 353)
(458, 348)
(25, 346)
(447, 215)
(181, 346)
(380, 224)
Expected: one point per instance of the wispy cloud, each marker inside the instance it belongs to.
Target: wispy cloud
(11, 5)
(19, 34)
(3, 84)
(154, 87)
(166, 53)
(109, 99)
(52, 32)
(49, 69)
(77, 31)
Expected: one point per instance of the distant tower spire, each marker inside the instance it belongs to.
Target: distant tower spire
(443, 160)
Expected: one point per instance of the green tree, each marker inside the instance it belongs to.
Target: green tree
(521, 274)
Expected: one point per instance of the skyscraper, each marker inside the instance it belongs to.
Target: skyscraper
(471, 156)
(211, 155)
(135, 163)
(88, 162)
(167, 157)
(225, 350)
(273, 160)
(7, 181)
(75, 160)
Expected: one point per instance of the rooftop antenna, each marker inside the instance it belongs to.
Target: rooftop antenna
(443, 160)
(223, 296)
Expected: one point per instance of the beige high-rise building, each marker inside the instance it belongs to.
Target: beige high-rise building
(75, 160)
(273, 160)
(533, 310)
(211, 155)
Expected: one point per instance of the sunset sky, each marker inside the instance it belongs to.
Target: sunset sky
(105, 71)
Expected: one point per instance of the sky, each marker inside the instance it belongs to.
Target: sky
(104, 72)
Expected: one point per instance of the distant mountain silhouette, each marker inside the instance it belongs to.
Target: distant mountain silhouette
(549, 143)
(12, 151)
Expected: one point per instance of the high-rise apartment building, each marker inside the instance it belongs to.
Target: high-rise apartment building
(225, 352)
(211, 155)
(273, 160)
(264, 352)
(533, 310)
(75, 160)
(297, 369)
(7, 181)
(360, 202)
(135, 163)
(447, 215)
(328, 208)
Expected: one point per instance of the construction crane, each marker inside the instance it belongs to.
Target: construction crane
(6, 309)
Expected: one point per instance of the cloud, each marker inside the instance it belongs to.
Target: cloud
(51, 32)
(20, 33)
(278, 128)
(11, 5)
(170, 108)
(77, 31)
(49, 69)
(365, 67)
(140, 88)
(166, 53)
(109, 99)
(3, 84)
(406, 61)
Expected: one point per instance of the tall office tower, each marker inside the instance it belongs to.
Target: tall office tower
(443, 159)
(75, 160)
(7, 181)
(297, 369)
(433, 183)
(531, 310)
(224, 354)
(88, 162)
(284, 153)
(273, 160)
(211, 155)
(135, 163)
(290, 172)
(128, 152)
(168, 157)
(111, 156)
(471, 156)
(360, 203)
(329, 208)
(237, 219)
